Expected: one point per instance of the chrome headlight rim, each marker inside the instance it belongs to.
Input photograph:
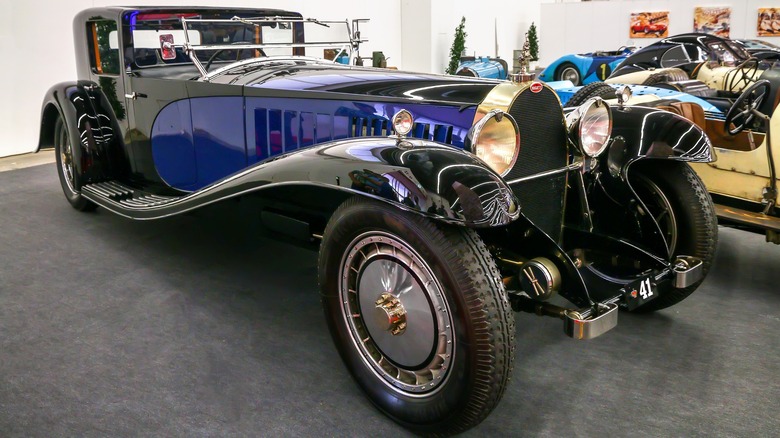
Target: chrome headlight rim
(472, 138)
(582, 124)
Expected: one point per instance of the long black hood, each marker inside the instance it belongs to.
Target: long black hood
(323, 76)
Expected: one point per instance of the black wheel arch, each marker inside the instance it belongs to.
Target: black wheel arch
(91, 126)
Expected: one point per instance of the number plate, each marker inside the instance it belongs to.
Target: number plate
(640, 291)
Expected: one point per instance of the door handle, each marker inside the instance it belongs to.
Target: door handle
(134, 95)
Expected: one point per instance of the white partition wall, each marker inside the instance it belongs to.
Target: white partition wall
(603, 25)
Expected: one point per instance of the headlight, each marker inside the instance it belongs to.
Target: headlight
(593, 125)
(496, 140)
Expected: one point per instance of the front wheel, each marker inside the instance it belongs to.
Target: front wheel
(418, 313)
(673, 216)
(679, 202)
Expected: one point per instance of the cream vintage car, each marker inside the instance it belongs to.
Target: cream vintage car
(718, 85)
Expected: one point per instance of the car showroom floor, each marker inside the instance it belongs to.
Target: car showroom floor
(198, 325)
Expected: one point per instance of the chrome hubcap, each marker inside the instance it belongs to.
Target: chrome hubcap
(570, 74)
(396, 313)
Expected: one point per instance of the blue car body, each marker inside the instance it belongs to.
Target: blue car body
(593, 67)
(566, 90)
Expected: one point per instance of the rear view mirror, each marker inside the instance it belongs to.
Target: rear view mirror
(166, 47)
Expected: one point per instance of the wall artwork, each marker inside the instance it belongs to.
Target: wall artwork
(712, 20)
(649, 24)
(768, 22)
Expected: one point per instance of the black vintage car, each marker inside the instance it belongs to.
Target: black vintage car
(439, 204)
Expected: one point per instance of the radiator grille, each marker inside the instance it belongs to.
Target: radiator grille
(543, 147)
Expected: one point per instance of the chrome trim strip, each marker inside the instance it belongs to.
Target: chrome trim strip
(570, 167)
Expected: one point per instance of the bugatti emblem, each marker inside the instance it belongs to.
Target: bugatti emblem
(536, 87)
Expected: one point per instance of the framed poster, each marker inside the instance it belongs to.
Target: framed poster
(712, 20)
(768, 22)
(649, 24)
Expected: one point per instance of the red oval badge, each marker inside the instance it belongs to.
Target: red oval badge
(536, 87)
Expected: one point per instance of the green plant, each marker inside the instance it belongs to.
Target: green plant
(458, 45)
(533, 42)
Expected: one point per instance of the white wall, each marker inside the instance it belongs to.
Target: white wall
(509, 20)
(603, 25)
(36, 42)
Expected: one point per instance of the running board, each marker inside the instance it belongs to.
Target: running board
(749, 218)
(123, 199)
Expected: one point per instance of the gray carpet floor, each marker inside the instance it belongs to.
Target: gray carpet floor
(200, 326)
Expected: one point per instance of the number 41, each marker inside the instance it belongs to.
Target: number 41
(645, 289)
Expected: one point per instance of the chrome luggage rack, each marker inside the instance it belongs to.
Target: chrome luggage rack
(350, 46)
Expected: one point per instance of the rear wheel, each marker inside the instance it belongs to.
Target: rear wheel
(66, 169)
(568, 72)
(418, 313)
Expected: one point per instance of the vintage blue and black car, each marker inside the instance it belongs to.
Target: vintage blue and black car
(439, 204)
(584, 68)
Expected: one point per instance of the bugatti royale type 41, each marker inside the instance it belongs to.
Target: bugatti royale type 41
(440, 205)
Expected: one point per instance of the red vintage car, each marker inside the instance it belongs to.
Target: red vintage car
(648, 27)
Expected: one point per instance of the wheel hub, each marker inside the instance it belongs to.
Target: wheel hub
(390, 314)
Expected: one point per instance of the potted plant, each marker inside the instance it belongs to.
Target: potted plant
(458, 46)
(533, 45)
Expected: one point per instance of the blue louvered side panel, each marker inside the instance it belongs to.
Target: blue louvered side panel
(276, 127)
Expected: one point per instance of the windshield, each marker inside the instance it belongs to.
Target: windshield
(158, 39)
(727, 53)
(758, 44)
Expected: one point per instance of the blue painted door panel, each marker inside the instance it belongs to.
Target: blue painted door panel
(201, 140)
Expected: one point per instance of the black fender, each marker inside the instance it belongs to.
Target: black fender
(427, 178)
(641, 133)
(92, 128)
(638, 134)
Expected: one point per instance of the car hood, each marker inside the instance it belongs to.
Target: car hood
(322, 76)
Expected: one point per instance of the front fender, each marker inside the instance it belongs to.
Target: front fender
(431, 179)
(640, 133)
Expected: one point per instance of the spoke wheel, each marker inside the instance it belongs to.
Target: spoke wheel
(659, 209)
(66, 168)
(418, 313)
(675, 217)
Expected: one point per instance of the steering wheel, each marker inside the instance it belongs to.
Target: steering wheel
(213, 57)
(745, 72)
(741, 113)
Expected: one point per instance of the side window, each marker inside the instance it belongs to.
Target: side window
(103, 47)
(675, 56)
(696, 53)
